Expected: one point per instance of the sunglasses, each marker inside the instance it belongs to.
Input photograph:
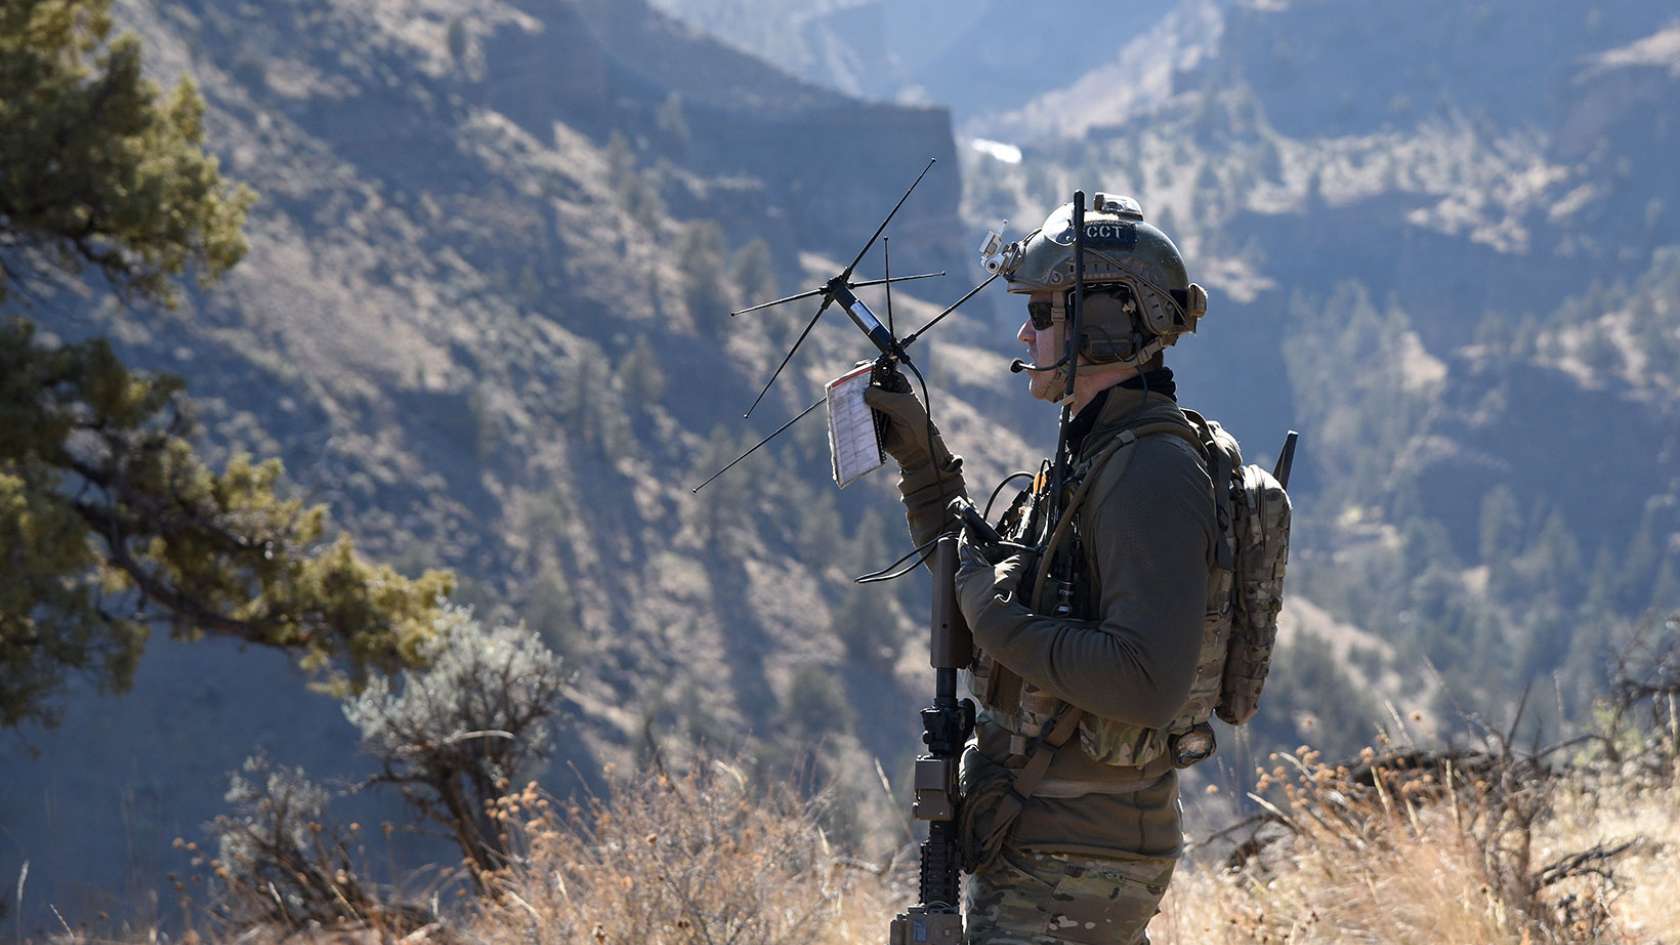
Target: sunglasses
(1039, 314)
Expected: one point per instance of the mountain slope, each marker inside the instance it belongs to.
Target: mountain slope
(483, 316)
(1455, 228)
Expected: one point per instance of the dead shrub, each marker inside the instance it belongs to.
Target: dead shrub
(282, 865)
(1418, 846)
(702, 859)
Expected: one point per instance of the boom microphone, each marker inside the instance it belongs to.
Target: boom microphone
(1017, 366)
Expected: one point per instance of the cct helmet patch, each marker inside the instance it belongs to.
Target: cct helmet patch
(1122, 236)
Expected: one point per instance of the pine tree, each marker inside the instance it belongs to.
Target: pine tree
(670, 119)
(1501, 525)
(753, 272)
(864, 620)
(639, 374)
(110, 522)
(700, 256)
(102, 170)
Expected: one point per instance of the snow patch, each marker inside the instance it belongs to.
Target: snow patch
(997, 150)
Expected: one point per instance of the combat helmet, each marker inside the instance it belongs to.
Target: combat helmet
(1138, 296)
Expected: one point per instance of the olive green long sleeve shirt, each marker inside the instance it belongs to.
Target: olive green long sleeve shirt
(1146, 534)
(1147, 531)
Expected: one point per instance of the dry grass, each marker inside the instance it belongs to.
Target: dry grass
(706, 859)
(1392, 856)
(1644, 905)
(1391, 850)
(1361, 853)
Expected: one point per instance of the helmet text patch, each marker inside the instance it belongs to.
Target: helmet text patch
(1110, 235)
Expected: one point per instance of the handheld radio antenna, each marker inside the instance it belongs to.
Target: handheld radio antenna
(821, 289)
(909, 340)
(886, 266)
(839, 289)
(1286, 459)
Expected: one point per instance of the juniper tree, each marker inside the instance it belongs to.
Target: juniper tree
(701, 257)
(99, 168)
(110, 523)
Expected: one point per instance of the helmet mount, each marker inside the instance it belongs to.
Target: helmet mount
(1140, 297)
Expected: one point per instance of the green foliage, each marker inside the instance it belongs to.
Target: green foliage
(670, 120)
(1346, 357)
(753, 273)
(717, 514)
(96, 167)
(112, 524)
(457, 40)
(1318, 698)
(636, 193)
(815, 704)
(639, 375)
(595, 398)
(1501, 524)
(864, 620)
(701, 258)
(551, 610)
(1542, 594)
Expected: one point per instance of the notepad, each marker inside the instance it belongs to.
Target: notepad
(854, 438)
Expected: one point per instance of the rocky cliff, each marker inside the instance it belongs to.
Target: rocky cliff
(484, 318)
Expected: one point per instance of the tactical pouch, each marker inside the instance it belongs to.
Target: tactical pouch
(984, 786)
(1261, 513)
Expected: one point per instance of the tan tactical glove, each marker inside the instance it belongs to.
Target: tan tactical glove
(980, 583)
(930, 477)
(906, 436)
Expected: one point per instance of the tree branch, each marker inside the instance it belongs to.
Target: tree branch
(110, 528)
(1582, 863)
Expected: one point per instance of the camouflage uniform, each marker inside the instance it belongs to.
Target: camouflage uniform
(1053, 898)
(1090, 853)
(1076, 843)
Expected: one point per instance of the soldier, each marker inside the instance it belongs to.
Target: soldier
(1073, 840)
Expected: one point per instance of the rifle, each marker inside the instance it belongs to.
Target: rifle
(946, 725)
(947, 722)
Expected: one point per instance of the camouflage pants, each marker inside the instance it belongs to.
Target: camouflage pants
(1055, 899)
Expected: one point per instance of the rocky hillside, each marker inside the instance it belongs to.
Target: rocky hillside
(483, 317)
(975, 56)
(1440, 241)
(1457, 231)
(1440, 244)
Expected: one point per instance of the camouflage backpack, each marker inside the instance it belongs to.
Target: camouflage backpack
(1245, 592)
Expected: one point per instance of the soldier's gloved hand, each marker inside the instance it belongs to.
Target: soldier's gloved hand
(906, 435)
(980, 583)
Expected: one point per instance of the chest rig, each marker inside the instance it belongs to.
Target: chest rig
(1032, 715)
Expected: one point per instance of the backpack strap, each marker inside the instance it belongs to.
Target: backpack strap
(1004, 688)
(1059, 731)
(1221, 467)
(1064, 527)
